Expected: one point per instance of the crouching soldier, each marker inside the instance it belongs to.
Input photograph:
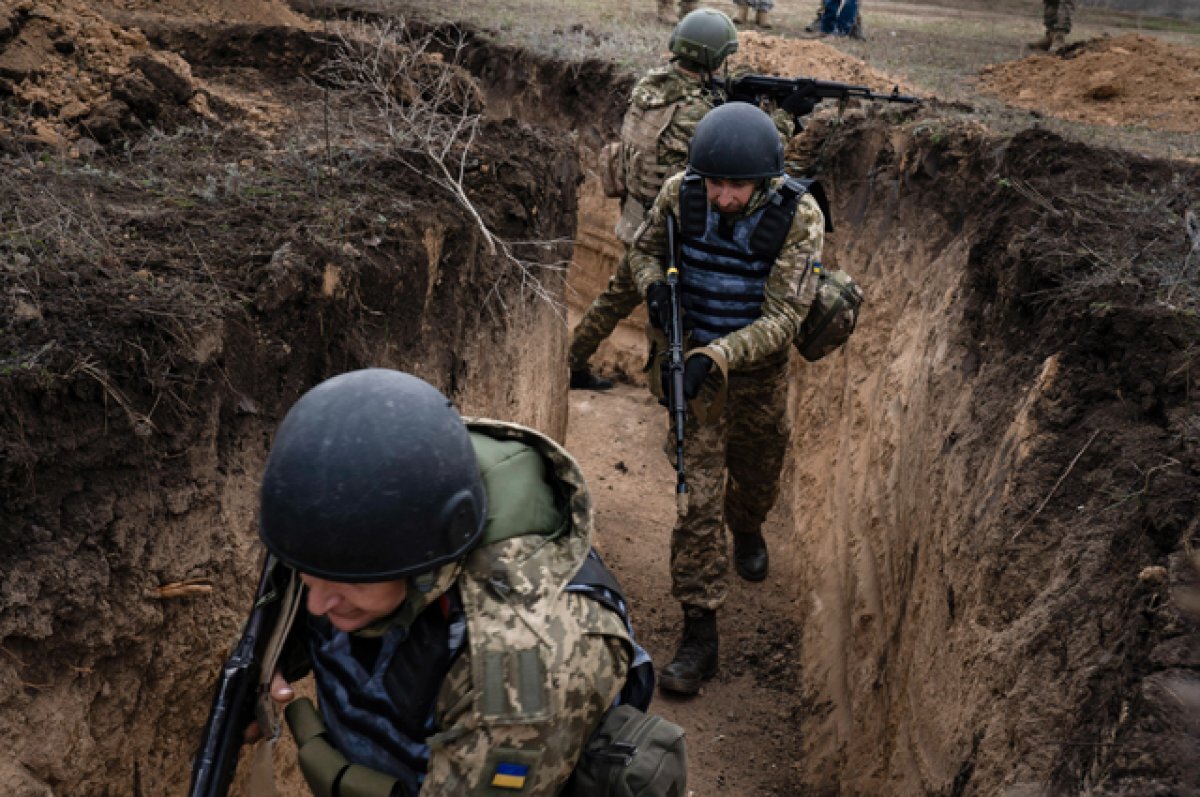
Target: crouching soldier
(463, 637)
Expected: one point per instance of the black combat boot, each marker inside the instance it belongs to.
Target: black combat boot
(750, 556)
(696, 659)
(584, 379)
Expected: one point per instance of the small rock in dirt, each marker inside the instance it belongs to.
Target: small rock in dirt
(1154, 575)
(621, 466)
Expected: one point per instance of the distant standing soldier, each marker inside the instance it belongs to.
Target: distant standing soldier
(665, 106)
(762, 12)
(749, 239)
(1057, 16)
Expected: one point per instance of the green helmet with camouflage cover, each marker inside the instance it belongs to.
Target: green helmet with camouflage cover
(703, 39)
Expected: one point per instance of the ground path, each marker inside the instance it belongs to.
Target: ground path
(744, 730)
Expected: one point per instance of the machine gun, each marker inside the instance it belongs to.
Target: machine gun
(676, 400)
(799, 95)
(240, 687)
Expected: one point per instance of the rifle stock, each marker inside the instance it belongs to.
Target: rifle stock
(677, 402)
(237, 690)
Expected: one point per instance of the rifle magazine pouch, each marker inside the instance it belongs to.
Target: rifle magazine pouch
(325, 769)
(632, 754)
(832, 317)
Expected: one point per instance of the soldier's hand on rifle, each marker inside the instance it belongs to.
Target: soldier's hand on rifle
(695, 371)
(658, 305)
(282, 693)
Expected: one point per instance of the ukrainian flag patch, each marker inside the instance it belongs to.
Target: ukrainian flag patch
(510, 775)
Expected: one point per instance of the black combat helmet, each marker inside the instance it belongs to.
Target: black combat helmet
(737, 141)
(703, 39)
(371, 477)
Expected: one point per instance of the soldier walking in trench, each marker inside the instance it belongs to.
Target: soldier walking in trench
(462, 637)
(750, 238)
(665, 106)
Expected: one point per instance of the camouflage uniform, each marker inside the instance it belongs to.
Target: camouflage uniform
(664, 109)
(746, 444)
(540, 664)
(757, 5)
(1057, 15)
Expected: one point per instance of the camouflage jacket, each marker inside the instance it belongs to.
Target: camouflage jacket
(789, 290)
(542, 664)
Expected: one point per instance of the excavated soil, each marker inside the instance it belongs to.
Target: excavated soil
(1124, 80)
(980, 578)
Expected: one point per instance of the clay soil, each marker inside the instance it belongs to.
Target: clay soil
(980, 580)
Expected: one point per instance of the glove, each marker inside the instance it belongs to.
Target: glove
(695, 371)
(799, 104)
(658, 305)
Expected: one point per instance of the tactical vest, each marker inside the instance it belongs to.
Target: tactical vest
(395, 679)
(724, 265)
(641, 131)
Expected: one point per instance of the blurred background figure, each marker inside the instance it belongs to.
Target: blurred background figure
(762, 12)
(1057, 16)
(667, 14)
(837, 18)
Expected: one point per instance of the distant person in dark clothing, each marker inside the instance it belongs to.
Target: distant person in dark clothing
(838, 18)
(1057, 16)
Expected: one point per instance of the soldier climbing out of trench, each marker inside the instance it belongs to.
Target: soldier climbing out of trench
(665, 106)
(749, 242)
(464, 637)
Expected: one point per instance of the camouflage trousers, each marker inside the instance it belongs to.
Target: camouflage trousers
(619, 299)
(757, 5)
(733, 466)
(1057, 15)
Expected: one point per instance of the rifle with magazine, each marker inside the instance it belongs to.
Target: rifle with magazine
(676, 400)
(241, 693)
(800, 95)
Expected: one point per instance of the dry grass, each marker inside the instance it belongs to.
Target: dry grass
(938, 47)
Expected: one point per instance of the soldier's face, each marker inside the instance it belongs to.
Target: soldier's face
(729, 196)
(350, 607)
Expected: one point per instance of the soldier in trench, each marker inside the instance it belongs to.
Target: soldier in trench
(749, 243)
(463, 638)
(664, 108)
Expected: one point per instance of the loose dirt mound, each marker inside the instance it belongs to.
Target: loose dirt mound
(75, 74)
(775, 55)
(1128, 80)
(259, 12)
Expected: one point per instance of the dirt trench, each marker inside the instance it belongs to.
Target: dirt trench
(983, 535)
(982, 553)
(165, 301)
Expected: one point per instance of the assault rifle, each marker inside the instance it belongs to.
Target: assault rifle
(799, 95)
(238, 688)
(676, 401)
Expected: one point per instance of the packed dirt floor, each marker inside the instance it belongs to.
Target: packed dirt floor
(982, 561)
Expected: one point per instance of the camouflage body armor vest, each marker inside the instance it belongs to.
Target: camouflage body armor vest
(650, 150)
(377, 716)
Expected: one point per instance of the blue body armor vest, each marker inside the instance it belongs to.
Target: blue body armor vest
(724, 266)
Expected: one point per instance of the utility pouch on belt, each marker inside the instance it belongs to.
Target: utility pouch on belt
(612, 171)
(832, 317)
(326, 770)
(632, 754)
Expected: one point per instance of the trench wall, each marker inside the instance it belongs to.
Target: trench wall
(980, 618)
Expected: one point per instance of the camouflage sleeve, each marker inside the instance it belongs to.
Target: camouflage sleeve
(788, 295)
(648, 252)
(531, 755)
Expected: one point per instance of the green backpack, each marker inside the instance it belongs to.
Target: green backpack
(832, 317)
(632, 754)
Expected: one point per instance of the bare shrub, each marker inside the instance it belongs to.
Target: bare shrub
(431, 110)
